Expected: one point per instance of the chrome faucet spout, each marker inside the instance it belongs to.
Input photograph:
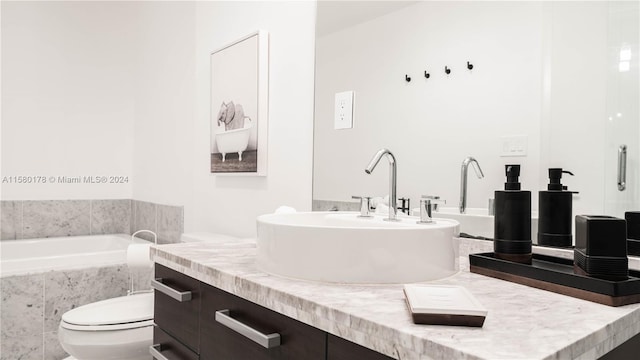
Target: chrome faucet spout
(393, 210)
(463, 180)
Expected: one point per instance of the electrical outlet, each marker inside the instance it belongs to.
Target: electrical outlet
(514, 145)
(343, 118)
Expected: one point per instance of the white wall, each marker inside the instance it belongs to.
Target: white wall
(574, 128)
(230, 204)
(68, 75)
(623, 107)
(540, 69)
(75, 96)
(165, 99)
(82, 81)
(1, 172)
(430, 125)
(122, 88)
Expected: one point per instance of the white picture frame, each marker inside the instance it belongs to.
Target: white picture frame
(239, 106)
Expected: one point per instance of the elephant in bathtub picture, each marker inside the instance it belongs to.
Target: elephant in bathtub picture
(232, 148)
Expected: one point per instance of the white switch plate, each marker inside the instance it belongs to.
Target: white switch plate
(343, 118)
(514, 145)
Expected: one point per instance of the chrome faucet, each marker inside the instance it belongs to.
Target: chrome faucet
(393, 211)
(463, 180)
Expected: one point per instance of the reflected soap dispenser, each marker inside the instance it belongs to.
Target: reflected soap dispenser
(512, 220)
(555, 207)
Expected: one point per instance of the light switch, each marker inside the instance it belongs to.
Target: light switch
(343, 118)
(514, 145)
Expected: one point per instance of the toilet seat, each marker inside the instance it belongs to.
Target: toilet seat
(121, 313)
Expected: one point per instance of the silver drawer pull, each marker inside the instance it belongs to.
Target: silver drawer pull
(266, 340)
(181, 296)
(154, 350)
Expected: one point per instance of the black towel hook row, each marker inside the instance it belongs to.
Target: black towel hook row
(447, 71)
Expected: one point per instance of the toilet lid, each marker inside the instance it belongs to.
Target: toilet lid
(121, 310)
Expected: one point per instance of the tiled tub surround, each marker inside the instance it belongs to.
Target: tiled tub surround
(31, 256)
(522, 323)
(34, 297)
(28, 219)
(331, 205)
(32, 306)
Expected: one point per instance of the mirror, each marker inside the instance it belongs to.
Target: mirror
(540, 84)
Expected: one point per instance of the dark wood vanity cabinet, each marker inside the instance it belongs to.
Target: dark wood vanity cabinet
(170, 348)
(198, 321)
(341, 349)
(219, 340)
(177, 306)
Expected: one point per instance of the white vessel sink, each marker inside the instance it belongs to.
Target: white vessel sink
(477, 221)
(341, 247)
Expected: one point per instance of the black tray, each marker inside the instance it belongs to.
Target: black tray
(558, 275)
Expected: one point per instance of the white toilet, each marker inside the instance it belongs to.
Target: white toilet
(120, 328)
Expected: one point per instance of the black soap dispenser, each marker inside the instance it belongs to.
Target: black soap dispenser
(512, 220)
(555, 207)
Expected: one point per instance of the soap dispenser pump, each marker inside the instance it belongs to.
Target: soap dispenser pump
(512, 220)
(555, 207)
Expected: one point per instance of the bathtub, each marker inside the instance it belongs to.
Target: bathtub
(20, 257)
(234, 140)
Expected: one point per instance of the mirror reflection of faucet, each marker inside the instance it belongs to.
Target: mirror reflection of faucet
(463, 180)
(435, 201)
(428, 204)
(405, 205)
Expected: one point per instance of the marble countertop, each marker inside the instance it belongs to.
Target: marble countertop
(522, 322)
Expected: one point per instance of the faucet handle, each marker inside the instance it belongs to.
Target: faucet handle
(405, 206)
(426, 207)
(365, 205)
(435, 201)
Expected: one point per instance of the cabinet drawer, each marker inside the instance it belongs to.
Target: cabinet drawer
(341, 349)
(170, 348)
(180, 319)
(219, 341)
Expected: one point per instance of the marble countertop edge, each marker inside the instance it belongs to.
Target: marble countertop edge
(385, 339)
(294, 298)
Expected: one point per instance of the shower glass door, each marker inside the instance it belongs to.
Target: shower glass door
(622, 145)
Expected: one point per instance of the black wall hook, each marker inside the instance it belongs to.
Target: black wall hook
(426, 74)
(407, 78)
(469, 66)
(447, 70)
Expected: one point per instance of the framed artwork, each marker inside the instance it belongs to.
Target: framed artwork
(239, 106)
